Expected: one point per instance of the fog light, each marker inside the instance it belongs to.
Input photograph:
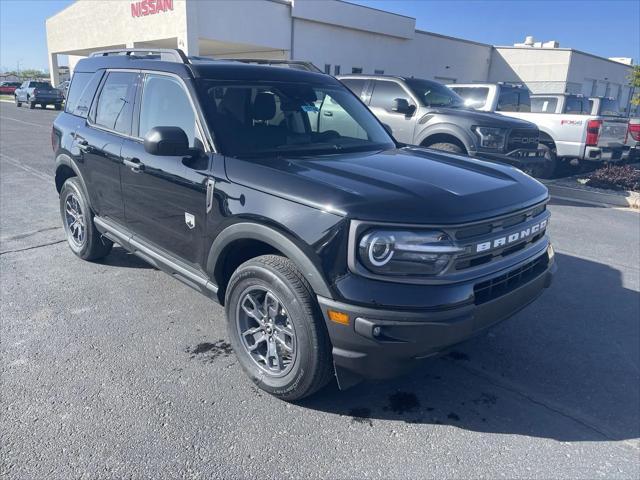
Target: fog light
(339, 317)
(376, 331)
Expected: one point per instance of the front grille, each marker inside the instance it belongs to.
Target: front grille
(519, 138)
(492, 228)
(498, 286)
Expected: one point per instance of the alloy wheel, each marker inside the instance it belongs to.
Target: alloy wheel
(266, 331)
(74, 220)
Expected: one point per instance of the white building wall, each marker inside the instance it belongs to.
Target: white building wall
(542, 70)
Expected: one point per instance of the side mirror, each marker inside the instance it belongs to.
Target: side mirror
(166, 141)
(401, 105)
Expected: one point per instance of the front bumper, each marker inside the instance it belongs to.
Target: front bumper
(517, 158)
(381, 343)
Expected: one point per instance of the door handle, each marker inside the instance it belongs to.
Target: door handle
(83, 145)
(211, 185)
(135, 164)
(327, 114)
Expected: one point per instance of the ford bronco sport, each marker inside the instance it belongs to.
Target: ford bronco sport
(333, 253)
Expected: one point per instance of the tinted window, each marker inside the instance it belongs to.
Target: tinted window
(474, 97)
(384, 93)
(609, 107)
(81, 92)
(514, 100)
(356, 85)
(577, 106)
(41, 85)
(544, 104)
(165, 103)
(114, 107)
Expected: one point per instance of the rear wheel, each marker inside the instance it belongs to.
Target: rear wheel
(77, 218)
(448, 147)
(32, 105)
(546, 168)
(276, 328)
(18, 102)
(58, 106)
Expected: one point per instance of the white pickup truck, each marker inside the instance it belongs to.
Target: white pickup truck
(568, 131)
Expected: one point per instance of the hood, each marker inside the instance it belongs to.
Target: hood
(408, 185)
(488, 119)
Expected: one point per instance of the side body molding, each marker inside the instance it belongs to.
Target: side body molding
(255, 231)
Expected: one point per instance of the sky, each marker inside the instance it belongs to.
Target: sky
(574, 23)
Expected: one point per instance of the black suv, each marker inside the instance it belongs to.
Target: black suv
(332, 253)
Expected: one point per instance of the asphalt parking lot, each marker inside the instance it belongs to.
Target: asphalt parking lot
(115, 370)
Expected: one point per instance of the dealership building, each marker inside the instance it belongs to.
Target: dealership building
(337, 36)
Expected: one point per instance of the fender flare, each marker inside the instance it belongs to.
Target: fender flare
(449, 129)
(274, 238)
(65, 160)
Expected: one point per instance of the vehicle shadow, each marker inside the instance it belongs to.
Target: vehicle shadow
(566, 367)
(119, 257)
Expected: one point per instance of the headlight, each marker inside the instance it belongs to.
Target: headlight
(406, 252)
(491, 137)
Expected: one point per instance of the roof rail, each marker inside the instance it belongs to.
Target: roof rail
(175, 55)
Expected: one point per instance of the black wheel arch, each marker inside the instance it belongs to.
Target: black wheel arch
(66, 168)
(264, 239)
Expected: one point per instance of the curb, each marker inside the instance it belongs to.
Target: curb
(623, 198)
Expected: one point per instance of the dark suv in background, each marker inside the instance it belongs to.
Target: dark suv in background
(333, 252)
(429, 114)
(38, 93)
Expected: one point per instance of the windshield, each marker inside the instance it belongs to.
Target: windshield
(260, 119)
(473, 97)
(434, 94)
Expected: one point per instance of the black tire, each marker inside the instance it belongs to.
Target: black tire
(58, 106)
(18, 103)
(546, 169)
(448, 147)
(43, 105)
(92, 245)
(311, 368)
(31, 105)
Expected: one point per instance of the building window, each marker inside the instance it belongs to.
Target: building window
(327, 68)
(336, 69)
(356, 70)
(379, 72)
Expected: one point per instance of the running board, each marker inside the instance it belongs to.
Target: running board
(158, 259)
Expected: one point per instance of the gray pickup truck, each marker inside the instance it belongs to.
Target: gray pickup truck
(38, 93)
(426, 113)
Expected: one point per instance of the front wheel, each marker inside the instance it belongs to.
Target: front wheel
(276, 328)
(83, 237)
(448, 147)
(547, 168)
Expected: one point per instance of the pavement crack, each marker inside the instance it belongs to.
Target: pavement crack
(32, 248)
(29, 234)
(512, 389)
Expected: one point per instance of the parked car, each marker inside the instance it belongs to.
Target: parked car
(7, 88)
(426, 113)
(633, 139)
(38, 93)
(567, 136)
(333, 253)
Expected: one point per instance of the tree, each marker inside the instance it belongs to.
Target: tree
(635, 84)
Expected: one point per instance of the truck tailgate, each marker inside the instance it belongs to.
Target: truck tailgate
(613, 132)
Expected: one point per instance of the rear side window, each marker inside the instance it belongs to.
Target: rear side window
(514, 100)
(544, 104)
(165, 103)
(81, 92)
(384, 93)
(114, 107)
(356, 85)
(609, 107)
(577, 106)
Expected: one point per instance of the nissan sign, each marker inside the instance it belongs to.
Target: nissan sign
(150, 7)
